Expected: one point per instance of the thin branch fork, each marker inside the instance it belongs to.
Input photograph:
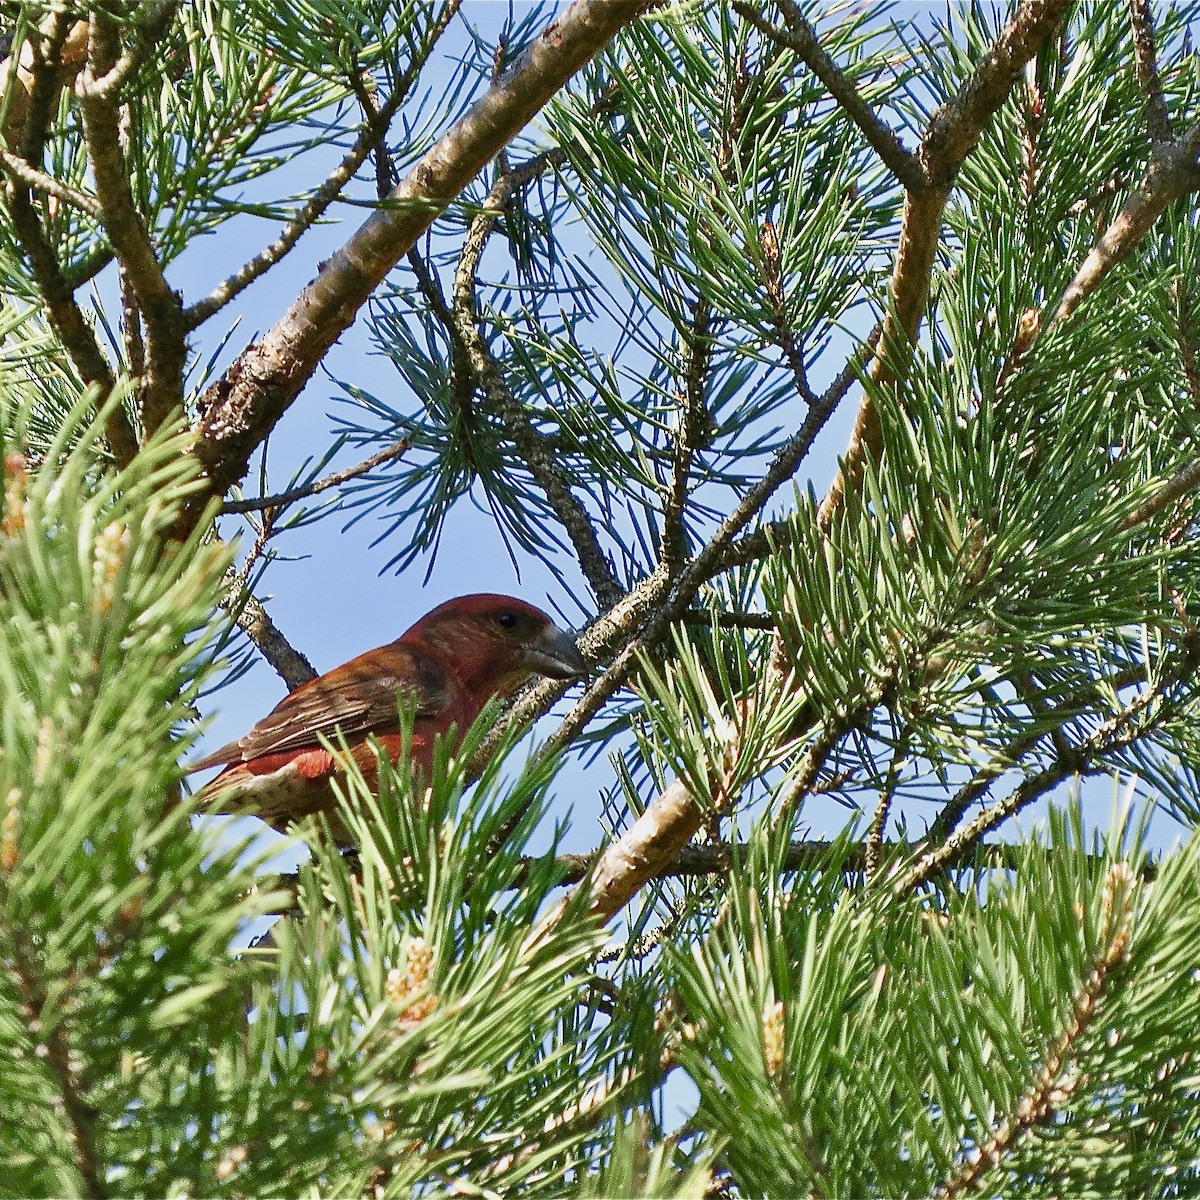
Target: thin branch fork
(483, 370)
(371, 138)
(242, 408)
(149, 29)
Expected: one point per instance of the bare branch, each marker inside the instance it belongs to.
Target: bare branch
(242, 408)
(149, 27)
(1145, 58)
(282, 499)
(254, 621)
(802, 38)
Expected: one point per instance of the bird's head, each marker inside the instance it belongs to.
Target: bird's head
(500, 639)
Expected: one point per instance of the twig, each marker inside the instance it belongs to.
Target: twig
(89, 267)
(547, 471)
(282, 499)
(887, 793)
(1145, 58)
(802, 38)
(1117, 731)
(1174, 488)
(242, 407)
(645, 612)
(691, 432)
(678, 591)
(161, 385)
(701, 862)
(729, 620)
(18, 168)
(1186, 343)
(131, 318)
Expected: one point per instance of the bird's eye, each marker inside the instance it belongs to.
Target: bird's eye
(507, 620)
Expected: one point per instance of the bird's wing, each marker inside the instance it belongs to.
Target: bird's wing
(356, 698)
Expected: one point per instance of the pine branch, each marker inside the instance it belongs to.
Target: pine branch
(645, 613)
(242, 408)
(1084, 758)
(952, 133)
(25, 75)
(689, 436)
(1172, 174)
(802, 38)
(1049, 1086)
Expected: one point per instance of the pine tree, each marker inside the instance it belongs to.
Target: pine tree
(632, 264)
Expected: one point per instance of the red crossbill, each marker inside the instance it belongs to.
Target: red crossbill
(448, 666)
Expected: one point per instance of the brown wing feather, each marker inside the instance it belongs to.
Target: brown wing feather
(355, 698)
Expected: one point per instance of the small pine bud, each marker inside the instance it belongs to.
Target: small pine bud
(15, 476)
(404, 985)
(773, 1032)
(768, 239)
(10, 849)
(111, 548)
(234, 1157)
(43, 756)
(1028, 326)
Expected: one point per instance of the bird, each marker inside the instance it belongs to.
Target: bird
(448, 666)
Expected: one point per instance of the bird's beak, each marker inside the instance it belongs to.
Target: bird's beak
(555, 654)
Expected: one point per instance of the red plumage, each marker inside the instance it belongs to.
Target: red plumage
(448, 665)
